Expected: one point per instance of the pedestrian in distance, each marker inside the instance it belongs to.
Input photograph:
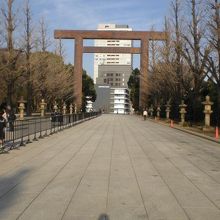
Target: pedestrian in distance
(5, 115)
(145, 114)
(11, 120)
(2, 130)
(54, 118)
(60, 118)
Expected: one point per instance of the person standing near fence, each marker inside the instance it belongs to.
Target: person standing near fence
(11, 120)
(5, 115)
(2, 130)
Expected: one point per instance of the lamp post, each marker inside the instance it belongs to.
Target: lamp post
(182, 112)
(158, 111)
(168, 111)
(42, 108)
(64, 108)
(208, 111)
(55, 107)
(71, 109)
(21, 107)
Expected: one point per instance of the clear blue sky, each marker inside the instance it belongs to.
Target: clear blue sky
(87, 14)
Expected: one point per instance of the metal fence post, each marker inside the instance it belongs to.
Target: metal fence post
(22, 141)
(41, 137)
(35, 130)
(28, 140)
(45, 123)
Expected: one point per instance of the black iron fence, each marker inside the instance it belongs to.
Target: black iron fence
(21, 132)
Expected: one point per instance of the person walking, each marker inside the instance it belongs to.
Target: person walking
(11, 120)
(2, 130)
(5, 115)
(145, 114)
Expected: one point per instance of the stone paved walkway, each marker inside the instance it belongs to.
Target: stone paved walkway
(121, 166)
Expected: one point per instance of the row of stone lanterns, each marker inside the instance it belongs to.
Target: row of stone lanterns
(207, 111)
(43, 105)
(64, 108)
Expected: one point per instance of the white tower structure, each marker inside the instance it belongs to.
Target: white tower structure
(111, 58)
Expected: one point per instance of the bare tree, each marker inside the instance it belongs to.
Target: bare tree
(195, 51)
(43, 42)
(28, 45)
(10, 71)
(1, 31)
(177, 26)
(213, 64)
(59, 49)
(51, 79)
(9, 23)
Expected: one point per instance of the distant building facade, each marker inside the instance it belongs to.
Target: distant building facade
(111, 74)
(111, 58)
(112, 99)
(114, 75)
(119, 100)
(102, 101)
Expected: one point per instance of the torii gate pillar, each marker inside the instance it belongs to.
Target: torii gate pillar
(77, 76)
(143, 70)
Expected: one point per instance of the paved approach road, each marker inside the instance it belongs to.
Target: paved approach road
(118, 166)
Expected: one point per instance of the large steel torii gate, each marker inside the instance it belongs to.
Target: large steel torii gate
(80, 35)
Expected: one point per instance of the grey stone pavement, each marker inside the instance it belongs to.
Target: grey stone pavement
(120, 166)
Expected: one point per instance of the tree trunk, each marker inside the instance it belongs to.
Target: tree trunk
(29, 99)
(9, 93)
(218, 106)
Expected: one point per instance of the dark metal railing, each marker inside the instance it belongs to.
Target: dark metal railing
(21, 132)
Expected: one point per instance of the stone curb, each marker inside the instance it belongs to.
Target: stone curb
(187, 131)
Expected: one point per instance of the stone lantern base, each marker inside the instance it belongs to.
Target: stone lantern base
(208, 128)
(184, 124)
(168, 120)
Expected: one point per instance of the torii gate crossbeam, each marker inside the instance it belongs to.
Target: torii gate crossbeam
(80, 35)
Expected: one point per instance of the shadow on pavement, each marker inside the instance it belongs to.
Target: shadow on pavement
(10, 188)
(103, 217)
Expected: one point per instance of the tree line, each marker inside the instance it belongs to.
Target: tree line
(187, 65)
(31, 64)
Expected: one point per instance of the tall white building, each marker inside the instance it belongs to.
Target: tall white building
(119, 100)
(111, 58)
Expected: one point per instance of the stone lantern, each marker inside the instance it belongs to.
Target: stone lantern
(64, 108)
(151, 111)
(55, 107)
(182, 112)
(42, 108)
(208, 111)
(158, 111)
(21, 108)
(71, 109)
(168, 111)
